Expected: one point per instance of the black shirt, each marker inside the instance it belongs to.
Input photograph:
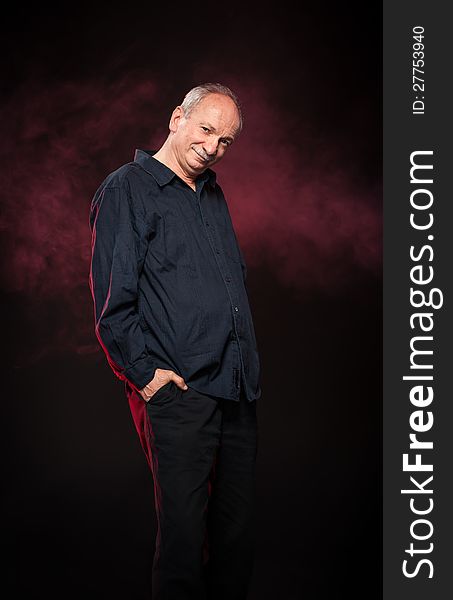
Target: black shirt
(168, 281)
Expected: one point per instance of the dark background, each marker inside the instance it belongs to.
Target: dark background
(82, 88)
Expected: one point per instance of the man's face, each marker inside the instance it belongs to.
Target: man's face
(201, 140)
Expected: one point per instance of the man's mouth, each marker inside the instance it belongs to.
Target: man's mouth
(203, 157)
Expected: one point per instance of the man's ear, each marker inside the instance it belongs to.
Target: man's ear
(175, 119)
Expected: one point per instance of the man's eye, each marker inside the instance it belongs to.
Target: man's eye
(205, 129)
(225, 142)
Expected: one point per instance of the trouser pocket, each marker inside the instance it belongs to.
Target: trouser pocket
(164, 394)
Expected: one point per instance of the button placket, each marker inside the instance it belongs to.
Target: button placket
(211, 234)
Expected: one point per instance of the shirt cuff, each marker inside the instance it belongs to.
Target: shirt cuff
(141, 372)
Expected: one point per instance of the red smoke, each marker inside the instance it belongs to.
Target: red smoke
(295, 209)
(295, 212)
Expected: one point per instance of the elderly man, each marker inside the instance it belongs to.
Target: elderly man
(172, 315)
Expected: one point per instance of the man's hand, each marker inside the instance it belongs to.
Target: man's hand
(161, 377)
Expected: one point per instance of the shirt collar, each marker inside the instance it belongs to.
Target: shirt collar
(163, 174)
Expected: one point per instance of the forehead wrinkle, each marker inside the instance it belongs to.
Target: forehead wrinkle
(220, 112)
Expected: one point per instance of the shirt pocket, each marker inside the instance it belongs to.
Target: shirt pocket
(176, 250)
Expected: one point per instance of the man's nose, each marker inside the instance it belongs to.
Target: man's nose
(210, 146)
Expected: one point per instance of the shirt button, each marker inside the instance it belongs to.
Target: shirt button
(236, 308)
(228, 279)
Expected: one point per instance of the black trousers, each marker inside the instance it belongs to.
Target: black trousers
(203, 454)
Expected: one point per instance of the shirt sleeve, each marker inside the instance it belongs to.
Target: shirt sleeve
(119, 242)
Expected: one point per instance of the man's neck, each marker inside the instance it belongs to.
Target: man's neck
(165, 156)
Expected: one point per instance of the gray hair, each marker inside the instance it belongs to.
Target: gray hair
(196, 95)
